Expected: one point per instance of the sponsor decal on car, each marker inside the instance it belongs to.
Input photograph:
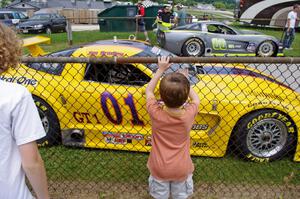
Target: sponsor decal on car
(272, 103)
(105, 54)
(251, 47)
(199, 127)
(121, 138)
(218, 44)
(114, 114)
(148, 141)
(20, 80)
(197, 144)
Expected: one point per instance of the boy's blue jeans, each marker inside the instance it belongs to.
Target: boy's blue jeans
(289, 37)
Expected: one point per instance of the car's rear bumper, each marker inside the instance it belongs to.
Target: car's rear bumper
(26, 30)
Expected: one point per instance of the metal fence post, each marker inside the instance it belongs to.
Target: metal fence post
(69, 33)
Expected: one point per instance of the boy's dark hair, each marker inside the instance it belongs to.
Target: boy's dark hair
(295, 6)
(174, 90)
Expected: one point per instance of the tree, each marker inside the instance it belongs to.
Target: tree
(4, 3)
(219, 5)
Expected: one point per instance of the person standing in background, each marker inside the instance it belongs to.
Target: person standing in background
(181, 15)
(165, 14)
(289, 34)
(141, 25)
(20, 127)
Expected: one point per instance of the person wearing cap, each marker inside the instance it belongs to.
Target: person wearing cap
(165, 14)
(180, 19)
(141, 25)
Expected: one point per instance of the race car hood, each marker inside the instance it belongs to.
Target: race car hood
(239, 70)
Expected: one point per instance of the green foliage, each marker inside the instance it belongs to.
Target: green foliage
(219, 5)
(227, 4)
(4, 3)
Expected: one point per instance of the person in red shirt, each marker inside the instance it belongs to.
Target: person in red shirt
(170, 163)
(141, 25)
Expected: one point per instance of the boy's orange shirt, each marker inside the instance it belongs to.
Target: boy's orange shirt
(170, 158)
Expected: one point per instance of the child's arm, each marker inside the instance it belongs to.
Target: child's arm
(192, 95)
(33, 166)
(163, 64)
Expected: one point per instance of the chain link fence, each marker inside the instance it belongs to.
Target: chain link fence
(244, 142)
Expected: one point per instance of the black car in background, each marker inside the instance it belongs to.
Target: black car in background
(43, 22)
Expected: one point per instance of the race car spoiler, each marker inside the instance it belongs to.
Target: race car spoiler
(32, 43)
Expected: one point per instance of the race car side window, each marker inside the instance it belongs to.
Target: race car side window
(126, 74)
(219, 29)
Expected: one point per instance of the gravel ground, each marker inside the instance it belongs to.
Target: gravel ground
(91, 190)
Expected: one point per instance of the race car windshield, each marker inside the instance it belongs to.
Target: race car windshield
(52, 68)
(154, 51)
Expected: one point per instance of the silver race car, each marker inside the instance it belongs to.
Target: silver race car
(211, 38)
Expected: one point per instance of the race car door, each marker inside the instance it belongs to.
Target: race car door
(109, 104)
(224, 40)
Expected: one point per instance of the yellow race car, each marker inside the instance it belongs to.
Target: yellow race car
(103, 105)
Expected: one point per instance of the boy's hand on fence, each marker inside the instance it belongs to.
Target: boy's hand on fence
(184, 71)
(163, 63)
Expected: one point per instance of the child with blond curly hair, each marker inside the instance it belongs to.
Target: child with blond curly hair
(19, 128)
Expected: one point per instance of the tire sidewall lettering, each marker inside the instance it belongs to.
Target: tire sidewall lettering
(257, 159)
(53, 134)
(276, 115)
(189, 41)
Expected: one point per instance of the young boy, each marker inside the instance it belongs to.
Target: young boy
(170, 163)
(20, 126)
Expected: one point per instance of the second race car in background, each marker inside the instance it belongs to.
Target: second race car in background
(211, 38)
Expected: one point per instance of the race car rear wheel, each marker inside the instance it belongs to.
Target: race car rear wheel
(266, 49)
(193, 47)
(265, 135)
(50, 123)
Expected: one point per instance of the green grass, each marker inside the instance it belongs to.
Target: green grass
(63, 163)
(59, 40)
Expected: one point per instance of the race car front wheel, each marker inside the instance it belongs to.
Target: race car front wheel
(193, 47)
(265, 135)
(50, 123)
(266, 49)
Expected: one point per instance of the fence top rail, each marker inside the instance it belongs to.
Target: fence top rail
(214, 17)
(123, 60)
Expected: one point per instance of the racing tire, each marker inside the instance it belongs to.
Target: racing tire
(265, 135)
(193, 47)
(50, 123)
(48, 31)
(266, 49)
